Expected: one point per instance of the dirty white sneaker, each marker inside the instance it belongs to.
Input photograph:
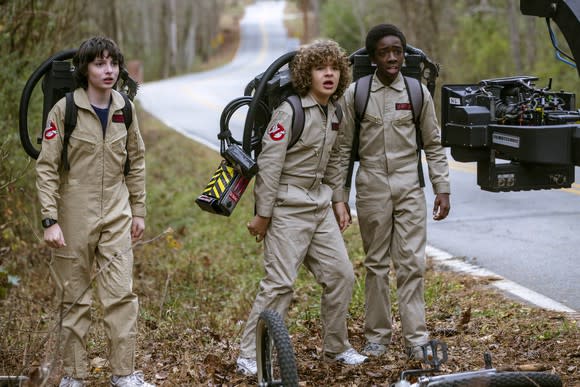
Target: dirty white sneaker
(350, 357)
(247, 366)
(374, 349)
(68, 381)
(136, 379)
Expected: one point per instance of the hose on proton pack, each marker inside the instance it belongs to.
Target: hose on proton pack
(225, 135)
(38, 74)
(250, 143)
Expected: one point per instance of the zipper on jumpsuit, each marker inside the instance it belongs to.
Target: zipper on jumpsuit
(321, 152)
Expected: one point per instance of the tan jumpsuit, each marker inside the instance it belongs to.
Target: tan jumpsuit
(290, 189)
(94, 204)
(390, 203)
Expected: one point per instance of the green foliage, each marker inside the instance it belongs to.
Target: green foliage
(338, 22)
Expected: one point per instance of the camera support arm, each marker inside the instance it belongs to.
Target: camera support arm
(565, 13)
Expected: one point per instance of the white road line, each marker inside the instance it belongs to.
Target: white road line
(448, 261)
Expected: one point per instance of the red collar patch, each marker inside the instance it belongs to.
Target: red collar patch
(117, 117)
(277, 132)
(402, 106)
(51, 131)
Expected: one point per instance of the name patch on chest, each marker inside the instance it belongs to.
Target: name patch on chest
(402, 106)
(117, 117)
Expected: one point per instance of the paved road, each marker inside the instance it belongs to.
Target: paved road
(531, 238)
(192, 104)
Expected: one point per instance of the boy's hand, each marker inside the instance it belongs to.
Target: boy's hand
(342, 215)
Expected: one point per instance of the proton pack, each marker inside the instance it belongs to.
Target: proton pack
(57, 82)
(265, 93)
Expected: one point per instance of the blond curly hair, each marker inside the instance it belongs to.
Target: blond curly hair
(314, 54)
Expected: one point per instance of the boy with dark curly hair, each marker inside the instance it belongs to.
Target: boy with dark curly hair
(294, 216)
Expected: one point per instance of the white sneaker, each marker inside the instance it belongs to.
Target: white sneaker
(68, 381)
(136, 379)
(247, 366)
(350, 357)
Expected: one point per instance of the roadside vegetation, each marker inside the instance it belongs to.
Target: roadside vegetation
(197, 273)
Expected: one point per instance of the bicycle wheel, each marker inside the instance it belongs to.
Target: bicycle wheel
(497, 379)
(274, 352)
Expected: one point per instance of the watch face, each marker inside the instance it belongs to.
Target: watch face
(48, 222)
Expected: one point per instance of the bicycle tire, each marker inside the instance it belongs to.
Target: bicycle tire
(271, 334)
(497, 379)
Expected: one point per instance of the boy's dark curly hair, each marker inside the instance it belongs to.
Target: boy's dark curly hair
(380, 31)
(314, 54)
(88, 51)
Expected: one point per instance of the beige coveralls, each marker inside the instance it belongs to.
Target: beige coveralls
(94, 204)
(290, 189)
(391, 204)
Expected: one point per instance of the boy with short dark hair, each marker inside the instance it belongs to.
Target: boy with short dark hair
(390, 201)
(92, 212)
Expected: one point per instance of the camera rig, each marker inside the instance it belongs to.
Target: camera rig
(534, 130)
(522, 137)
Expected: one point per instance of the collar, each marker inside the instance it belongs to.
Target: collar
(308, 101)
(82, 100)
(398, 84)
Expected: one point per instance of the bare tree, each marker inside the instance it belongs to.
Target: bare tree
(169, 26)
(513, 12)
(191, 26)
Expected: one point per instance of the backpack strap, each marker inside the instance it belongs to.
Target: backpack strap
(362, 92)
(415, 91)
(128, 118)
(297, 119)
(70, 122)
(337, 111)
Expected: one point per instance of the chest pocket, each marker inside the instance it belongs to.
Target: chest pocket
(81, 146)
(402, 118)
(119, 144)
(372, 120)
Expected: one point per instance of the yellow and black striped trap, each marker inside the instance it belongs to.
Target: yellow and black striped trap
(224, 190)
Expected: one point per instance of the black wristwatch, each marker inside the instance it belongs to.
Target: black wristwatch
(47, 222)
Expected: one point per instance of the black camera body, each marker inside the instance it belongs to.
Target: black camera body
(535, 131)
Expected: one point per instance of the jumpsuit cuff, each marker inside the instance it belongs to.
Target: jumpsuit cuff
(441, 188)
(341, 195)
(138, 211)
(264, 211)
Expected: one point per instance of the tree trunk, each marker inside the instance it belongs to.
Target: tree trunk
(513, 13)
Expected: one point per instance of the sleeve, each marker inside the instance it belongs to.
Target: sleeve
(135, 179)
(337, 168)
(48, 162)
(271, 160)
(434, 151)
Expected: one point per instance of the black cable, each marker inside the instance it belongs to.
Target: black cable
(27, 93)
(261, 119)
